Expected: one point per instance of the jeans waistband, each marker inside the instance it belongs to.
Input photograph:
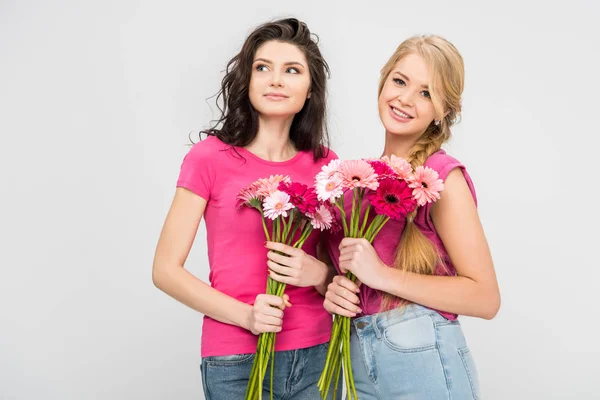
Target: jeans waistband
(378, 322)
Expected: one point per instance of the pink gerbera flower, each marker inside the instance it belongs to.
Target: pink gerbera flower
(426, 185)
(358, 173)
(269, 185)
(301, 196)
(248, 196)
(322, 218)
(329, 188)
(276, 204)
(400, 166)
(393, 198)
(329, 170)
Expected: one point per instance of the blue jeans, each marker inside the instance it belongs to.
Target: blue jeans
(413, 354)
(295, 376)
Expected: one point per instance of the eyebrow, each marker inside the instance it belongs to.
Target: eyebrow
(406, 78)
(287, 63)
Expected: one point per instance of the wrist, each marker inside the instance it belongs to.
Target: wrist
(243, 317)
(393, 281)
(385, 278)
(324, 278)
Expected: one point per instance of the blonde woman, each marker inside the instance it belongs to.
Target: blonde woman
(422, 272)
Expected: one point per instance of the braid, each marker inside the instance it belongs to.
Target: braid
(430, 142)
(416, 253)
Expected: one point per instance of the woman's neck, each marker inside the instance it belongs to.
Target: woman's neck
(398, 145)
(272, 142)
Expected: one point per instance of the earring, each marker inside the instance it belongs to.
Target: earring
(436, 122)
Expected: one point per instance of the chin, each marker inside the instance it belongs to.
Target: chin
(268, 110)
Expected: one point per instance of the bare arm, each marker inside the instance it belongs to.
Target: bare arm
(475, 290)
(170, 276)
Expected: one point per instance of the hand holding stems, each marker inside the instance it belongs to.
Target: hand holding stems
(266, 315)
(341, 297)
(293, 266)
(358, 256)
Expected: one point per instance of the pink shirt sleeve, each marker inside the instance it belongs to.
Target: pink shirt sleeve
(444, 164)
(197, 172)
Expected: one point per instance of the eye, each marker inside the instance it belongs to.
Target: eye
(399, 81)
(426, 94)
(261, 67)
(292, 70)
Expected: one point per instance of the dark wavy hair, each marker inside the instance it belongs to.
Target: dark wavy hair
(238, 124)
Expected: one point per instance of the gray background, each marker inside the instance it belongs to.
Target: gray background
(96, 103)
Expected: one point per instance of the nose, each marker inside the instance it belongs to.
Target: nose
(276, 79)
(406, 98)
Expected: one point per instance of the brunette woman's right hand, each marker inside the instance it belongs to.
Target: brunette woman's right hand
(341, 297)
(266, 315)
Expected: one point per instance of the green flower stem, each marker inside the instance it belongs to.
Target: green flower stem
(343, 213)
(297, 223)
(336, 374)
(272, 367)
(383, 222)
(373, 226)
(264, 223)
(365, 218)
(288, 225)
(345, 359)
(332, 354)
(361, 193)
(354, 212)
(304, 235)
(278, 229)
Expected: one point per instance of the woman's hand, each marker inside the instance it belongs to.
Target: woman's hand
(266, 315)
(359, 257)
(294, 266)
(341, 297)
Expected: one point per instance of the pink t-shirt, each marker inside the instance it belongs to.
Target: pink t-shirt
(235, 241)
(388, 239)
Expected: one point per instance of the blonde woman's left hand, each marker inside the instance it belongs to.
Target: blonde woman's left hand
(295, 267)
(359, 257)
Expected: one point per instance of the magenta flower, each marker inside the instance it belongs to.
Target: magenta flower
(426, 185)
(301, 196)
(382, 169)
(358, 173)
(393, 198)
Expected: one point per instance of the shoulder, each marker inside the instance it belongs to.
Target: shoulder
(207, 148)
(443, 163)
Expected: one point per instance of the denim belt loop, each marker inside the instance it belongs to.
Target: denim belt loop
(376, 327)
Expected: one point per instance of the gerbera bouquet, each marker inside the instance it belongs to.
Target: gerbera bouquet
(289, 213)
(393, 191)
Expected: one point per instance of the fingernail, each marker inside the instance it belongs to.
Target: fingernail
(359, 310)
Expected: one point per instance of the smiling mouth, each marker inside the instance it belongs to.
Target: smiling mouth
(401, 114)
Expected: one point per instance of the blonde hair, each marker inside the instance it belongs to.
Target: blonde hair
(415, 252)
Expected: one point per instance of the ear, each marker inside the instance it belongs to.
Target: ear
(308, 95)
